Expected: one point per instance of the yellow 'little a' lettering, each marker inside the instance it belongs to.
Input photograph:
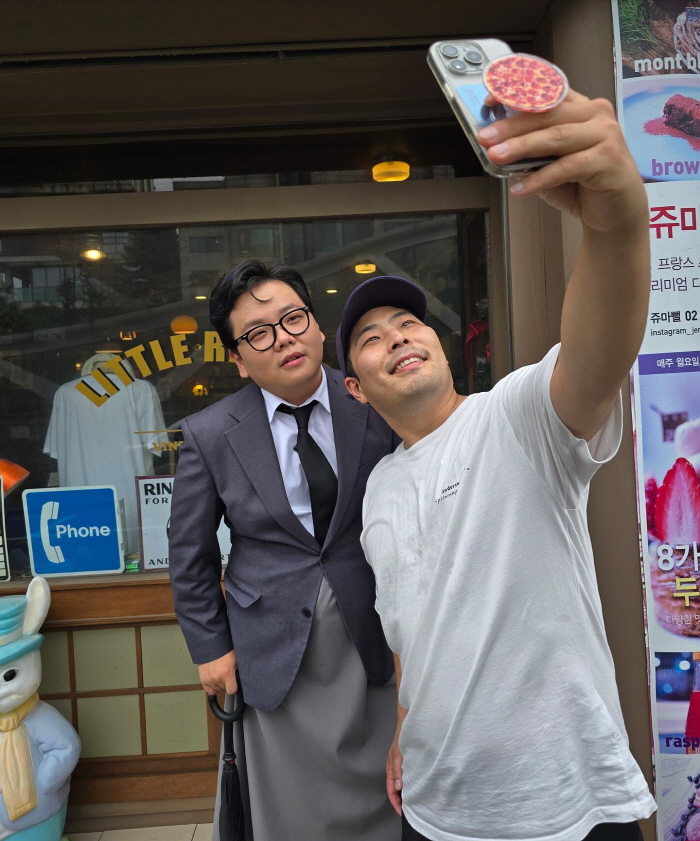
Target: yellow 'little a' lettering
(104, 381)
(179, 346)
(136, 353)
(214, 350)
(91, 394)
(121, 372)
(162, 363)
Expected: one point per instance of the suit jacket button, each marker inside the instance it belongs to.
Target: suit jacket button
(305, 612)
(325, 557)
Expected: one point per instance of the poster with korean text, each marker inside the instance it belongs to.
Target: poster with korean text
(657, 46)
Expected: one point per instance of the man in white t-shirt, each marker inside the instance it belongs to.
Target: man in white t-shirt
(510, 726)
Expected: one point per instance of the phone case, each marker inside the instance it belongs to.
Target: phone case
(458, 66)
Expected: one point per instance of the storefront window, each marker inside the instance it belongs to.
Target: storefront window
(214, 182)
(105, 345)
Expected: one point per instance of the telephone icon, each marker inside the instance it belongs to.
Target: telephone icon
(49, 514)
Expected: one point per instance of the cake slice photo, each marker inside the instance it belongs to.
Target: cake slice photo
(683, 113)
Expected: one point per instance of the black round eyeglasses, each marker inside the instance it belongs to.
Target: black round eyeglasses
(263, 336)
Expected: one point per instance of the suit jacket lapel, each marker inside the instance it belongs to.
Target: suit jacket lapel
(251, 441)
(349, 425)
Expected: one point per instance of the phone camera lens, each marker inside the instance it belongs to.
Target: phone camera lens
(457, 66)
(449, 51)
(473, 57)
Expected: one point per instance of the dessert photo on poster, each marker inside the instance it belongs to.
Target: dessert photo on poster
(678, 701)
(654, 31)
(660, 87)
(670, 419)
(678, 780)
(662, 126)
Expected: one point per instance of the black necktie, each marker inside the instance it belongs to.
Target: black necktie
(323, 484)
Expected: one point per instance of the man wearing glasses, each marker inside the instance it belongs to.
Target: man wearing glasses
(284, 461)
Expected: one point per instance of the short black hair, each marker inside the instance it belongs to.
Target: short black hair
(244, 278)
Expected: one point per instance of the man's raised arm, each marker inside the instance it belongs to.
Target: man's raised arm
(605, 308)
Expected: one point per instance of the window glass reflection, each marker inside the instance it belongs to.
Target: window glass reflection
(105, 341)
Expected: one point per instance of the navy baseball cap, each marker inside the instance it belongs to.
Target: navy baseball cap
(385, 291)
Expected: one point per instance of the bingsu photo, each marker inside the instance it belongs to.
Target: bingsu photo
(670, 410)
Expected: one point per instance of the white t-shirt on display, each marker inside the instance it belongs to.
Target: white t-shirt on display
(98, 445)
(486, 588)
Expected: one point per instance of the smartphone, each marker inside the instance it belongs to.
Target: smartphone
(458, 66)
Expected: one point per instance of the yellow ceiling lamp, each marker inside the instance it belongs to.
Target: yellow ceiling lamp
(92, 248)
(391, 171)
(365, 267)
(127, 335)
(184, 324)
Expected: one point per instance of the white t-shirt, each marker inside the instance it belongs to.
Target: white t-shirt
(486, 589)
(98, 445)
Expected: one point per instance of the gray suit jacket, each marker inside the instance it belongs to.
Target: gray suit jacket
(228, 467)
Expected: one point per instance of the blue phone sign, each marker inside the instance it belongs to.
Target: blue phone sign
(74, 531)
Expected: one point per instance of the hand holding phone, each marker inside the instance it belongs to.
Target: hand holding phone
(484, 81)
(569, 148)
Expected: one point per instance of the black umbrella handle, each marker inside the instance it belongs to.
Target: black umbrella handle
(228, 717)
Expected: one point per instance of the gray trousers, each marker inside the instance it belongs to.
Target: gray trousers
(314, 768)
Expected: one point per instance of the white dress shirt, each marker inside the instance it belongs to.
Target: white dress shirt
(284, 434)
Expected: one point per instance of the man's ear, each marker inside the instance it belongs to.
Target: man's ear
(353, 386)
(242, 370)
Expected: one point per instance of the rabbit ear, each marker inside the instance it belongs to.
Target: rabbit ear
(38, 601)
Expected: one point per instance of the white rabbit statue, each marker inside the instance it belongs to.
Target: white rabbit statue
(38, 748)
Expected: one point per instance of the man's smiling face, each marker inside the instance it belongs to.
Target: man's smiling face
(397, 358)
(292, 366)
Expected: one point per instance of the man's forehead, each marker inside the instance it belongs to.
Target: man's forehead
(267, 293)
(269, 298)
(374, 316)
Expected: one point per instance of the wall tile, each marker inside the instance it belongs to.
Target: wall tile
(105, 659)
(166, 660)
(109, 726)
(176, 722)
(55, 676)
